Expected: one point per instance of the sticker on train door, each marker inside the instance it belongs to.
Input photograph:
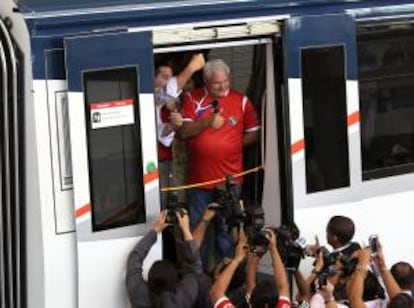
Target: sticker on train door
(113, 113)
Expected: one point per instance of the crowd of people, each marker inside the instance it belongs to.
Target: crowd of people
(220, 269)
(347, 276)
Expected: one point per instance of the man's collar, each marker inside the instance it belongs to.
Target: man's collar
(341, 248)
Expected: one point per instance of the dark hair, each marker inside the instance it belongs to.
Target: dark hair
(372, 288)
(162, 276)
(401, 300)
(403, 273)
(342, 227)
(265, 293)
(161, 63)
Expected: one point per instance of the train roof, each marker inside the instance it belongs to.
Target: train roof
(42, 16)
(42, 6)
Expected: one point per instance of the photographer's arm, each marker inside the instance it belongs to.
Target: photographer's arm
(304, 292)
(356, 288)
(281, 281)
(391, 285)
(250, 138)
(200, 229)
(219, 288)
(314, 274)
(196, 63)
(189, 247)
(252, 266)
(137, 288)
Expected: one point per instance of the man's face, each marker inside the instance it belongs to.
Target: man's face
(164, 74)
(218, 84)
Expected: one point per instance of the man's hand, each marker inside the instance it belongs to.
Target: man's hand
(319, 262)
(272, 238)
(197, 62)
(218, 121)
(183, 219)
(379, 257)
(210, 211)
(176, 119)
(241, 247)
(364, 256)
(160, 223)
(184, 223)
(312, 249)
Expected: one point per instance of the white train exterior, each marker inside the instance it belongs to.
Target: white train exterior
(337, 128)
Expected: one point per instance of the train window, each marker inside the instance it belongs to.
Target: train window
(114, 150)
(324, 111)
(386, 89)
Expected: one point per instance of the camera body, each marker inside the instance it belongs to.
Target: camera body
(173, 207)
(348, 264)
(290, 249)
(373, 244)
(227, 200)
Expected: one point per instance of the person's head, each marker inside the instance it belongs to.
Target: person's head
(401, 300)
(162, 277)
(163, 73)
(340, 231)
(264, 295)
(403, 273)
(217, 77)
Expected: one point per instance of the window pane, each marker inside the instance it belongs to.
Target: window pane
(325, 118)
(115, 162)
(386, 90)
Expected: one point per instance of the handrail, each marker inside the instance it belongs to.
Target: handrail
(4, 179)
(12, 158)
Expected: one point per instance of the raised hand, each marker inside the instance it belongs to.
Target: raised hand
(160, 224)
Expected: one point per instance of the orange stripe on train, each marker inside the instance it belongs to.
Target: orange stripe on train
(148, 177)
(298, 146)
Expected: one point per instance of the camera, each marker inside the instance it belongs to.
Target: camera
(173, 207)
(289, 245)
(373, 244)
(323, 275)
(227, 200)
(348, 264)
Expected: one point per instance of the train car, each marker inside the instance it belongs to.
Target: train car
(332, 80)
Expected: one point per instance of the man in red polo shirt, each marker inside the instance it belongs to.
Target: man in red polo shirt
(218, 122)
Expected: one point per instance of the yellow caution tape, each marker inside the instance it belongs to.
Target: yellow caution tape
(195, 185)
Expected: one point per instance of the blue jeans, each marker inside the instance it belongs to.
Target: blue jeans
(197, 201)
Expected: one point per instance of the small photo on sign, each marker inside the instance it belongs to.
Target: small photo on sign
(113, 113)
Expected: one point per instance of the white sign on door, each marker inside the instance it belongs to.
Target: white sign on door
(114, 113)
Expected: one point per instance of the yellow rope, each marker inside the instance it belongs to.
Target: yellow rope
(183, 187)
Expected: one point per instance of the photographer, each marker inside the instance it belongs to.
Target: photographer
(390, 283)
(323, 280)
(364, 288)
(403, 274)
(164, 287)
(339, 233)
(260, 295)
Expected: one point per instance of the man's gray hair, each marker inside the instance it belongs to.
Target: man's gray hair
(215, 65)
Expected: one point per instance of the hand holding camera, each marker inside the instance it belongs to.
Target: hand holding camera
(373, 244)
(161, 223)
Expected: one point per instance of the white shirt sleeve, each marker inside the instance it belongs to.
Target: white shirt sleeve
(164, 140)
(172, 88)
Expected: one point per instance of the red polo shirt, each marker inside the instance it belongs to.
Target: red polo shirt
(216, 153)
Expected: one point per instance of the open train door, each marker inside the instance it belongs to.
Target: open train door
(114, 157)
(323, 111)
